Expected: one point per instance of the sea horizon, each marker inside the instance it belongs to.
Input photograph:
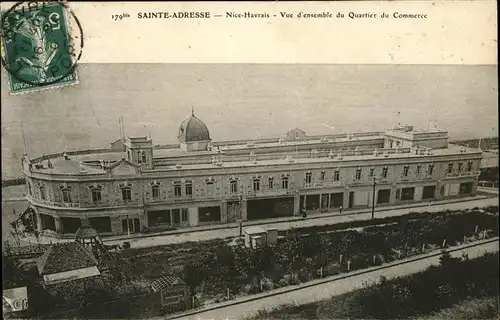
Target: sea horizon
(246, 101)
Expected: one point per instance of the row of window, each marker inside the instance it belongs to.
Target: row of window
(233, 183)
(141, 156)
(460, 167)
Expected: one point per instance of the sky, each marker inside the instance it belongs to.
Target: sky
(246, 101)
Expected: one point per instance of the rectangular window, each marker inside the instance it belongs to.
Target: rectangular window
(66, 193)
(336, 175)
(384, 172)
(419, 168)
(184, 214)
(43, 194)
(139, 157)
(271, 183)
(431, 169)
(358, 175)
(469, 166)
(96, 195)
(284, 183)
(233, 186)
(371, 172)
(322, 175)
(406, 169)
(126, 194)
(408, 193)
(155, 190)
(308, 177)
(450, 167)
(256, 185)
(177, 190)
(460, 166)
(189, 189)
(144, 157)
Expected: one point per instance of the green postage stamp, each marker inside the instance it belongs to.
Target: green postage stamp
(41, 45)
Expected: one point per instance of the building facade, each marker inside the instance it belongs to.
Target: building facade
(134, 185)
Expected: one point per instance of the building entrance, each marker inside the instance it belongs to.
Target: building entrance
(131, 225)
(269, 208)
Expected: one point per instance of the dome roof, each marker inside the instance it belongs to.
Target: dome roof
(193, 129)
(86, 232)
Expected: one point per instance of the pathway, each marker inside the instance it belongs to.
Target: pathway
(322, 289)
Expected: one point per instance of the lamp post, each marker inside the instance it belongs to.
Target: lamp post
(373, 197)
(241, 216)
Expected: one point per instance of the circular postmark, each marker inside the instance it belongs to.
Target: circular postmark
(42, 42)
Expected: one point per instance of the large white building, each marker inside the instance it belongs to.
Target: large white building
(135, 185)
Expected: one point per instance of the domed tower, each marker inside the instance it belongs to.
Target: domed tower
(89, 239)
(193, 134)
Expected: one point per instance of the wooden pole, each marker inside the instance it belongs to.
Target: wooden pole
(340, 260)
(423, 247)
(476, 230)
(348, 265)
(444, 243)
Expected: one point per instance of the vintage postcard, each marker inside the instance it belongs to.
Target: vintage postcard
(250, 160)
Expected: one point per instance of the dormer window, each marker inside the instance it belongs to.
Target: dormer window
(371, 172)
(419, 168)
(450, 167)
(460, 166)
(469, 166)
(144, 158)
(323, 174)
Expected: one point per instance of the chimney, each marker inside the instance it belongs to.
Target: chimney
(66, 156)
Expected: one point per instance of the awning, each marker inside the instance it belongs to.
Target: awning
(25, 219)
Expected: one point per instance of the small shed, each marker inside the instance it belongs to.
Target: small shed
(272, 235)
(172, 292)
(252, 232)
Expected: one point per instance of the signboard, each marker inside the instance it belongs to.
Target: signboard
(15, 299)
